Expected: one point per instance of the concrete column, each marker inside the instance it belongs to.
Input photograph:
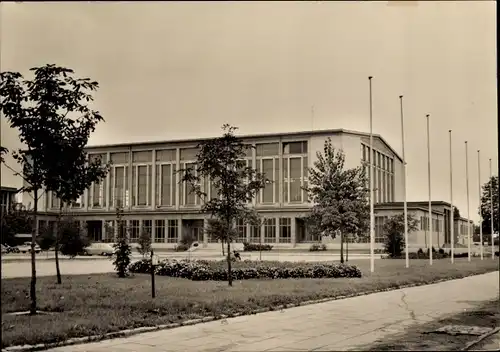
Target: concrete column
(103, 230)
(153, 181)
(249, 229)
(107, 196)
(293, 231)
(177, 176)
(277, 230)
(205, 234)
(179, 229)
(153, 230)
(262, 232)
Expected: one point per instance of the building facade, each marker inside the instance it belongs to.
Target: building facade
(143, 180)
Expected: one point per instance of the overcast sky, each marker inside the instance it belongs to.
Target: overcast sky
(181, 70)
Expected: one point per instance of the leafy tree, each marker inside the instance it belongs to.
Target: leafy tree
(217, 230)
(253, 218)
(222, 160)
(16, 220)
(144, 243)
(44, 110)
(340, 197)
(456, 213)
(485, 206)
(46, 237)
(3, 151)
(123, 251)
(394, 228)
(73, 238)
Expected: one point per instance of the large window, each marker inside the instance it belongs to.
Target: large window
(379, 228)
(270, 230)
(285, 230)
(188, 162)
(97, 198)
(134, 231)
(141, 178)
(268, 164)
(159, 231)
(173, 236)
(294, 172)
(147, 226)
(383, 174)
(241, 230)
(255, 232)
(166, 177)
(118, 176)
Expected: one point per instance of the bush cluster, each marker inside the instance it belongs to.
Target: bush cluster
(181, 247)
(202, 270)
(253, 247)
(316, 247)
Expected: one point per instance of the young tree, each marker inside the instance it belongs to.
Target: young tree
(123, 251)
(253, 218)
(340, 197)
(73, 238)
(41, 109)
(222, 160)
(217, 231)
(144, 243)
(394, 228)
(485, 207)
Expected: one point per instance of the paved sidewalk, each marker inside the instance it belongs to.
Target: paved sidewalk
(335, 325)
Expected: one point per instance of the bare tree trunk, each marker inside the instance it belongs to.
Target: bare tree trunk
(56, 252)
(33, 262)
(222, 245)
(341, 247)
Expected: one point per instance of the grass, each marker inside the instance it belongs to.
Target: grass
(419, 338)
(97, 304)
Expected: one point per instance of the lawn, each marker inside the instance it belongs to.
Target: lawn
(96, 304)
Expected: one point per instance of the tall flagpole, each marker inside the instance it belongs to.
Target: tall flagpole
(407, 256)
(372, 161)
(429, 182)
(491, 215)
(452, 227)
(468, 207)
(480, 208)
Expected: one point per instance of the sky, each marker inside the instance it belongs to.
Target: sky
(182, 69)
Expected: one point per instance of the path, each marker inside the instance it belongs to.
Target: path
(11, 269)
(335, 325)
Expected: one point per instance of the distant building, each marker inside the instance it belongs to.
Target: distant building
(144, 181)
(7, 198)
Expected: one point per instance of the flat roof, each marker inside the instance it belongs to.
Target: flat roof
(252, 136)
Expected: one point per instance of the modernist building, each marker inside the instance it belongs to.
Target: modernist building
(143, 179)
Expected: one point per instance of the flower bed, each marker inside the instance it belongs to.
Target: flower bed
(216, 271)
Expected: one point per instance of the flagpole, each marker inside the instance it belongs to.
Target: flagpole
(429, 182)
(405, 207)
(372, 216)
(468, 207)
(491, 215)
(452, 228)
(480, 208)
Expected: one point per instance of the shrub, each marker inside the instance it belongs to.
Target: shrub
(251, 247)
(420, 251)
(441, 251)
(315, 247)
(72, 238)
(181, 247)
(245, 270)
(144, 243)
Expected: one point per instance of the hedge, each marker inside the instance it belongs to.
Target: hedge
(441, 254)
(203, 270)
(251, 247)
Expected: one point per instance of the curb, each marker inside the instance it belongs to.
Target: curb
(131, 332)
(480, 338)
